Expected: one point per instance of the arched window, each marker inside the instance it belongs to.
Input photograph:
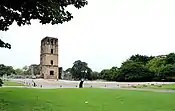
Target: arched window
(51, 51)
(51, 62)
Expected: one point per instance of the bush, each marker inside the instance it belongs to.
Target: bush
(1, 83)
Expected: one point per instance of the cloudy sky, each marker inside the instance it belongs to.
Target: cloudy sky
(103, 34)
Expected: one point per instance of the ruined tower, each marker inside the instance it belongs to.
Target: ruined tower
(49, 58)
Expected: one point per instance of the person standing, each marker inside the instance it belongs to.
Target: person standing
(81, 83)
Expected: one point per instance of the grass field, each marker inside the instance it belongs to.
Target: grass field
(26, 99)
(11, 83)
(163, 86)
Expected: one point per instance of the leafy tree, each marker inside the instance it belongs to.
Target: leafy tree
(133, 71)
(9, 70)
(94, 76)
(5, 45)
(6, 70)
(109, 74)
(141, 58)
(106, 74)
(168, 72)
(80, 70)
(33, 69)
(19, 71)
(26, 70)
(156, 64)
(170, 58)
(114, 73)
(46, 11)
(2, 69)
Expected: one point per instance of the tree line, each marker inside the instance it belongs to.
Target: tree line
(9, 70)
(138, 68)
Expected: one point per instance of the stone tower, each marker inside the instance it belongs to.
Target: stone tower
(49, 58)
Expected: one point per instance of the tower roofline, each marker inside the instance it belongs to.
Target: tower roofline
(46, 38)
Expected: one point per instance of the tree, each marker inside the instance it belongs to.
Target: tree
(2, 69)
(170, 58)
(114, 73)
(80, 70)
(168, 72)
(109, 74)
(6, 70)
(26, 70)
(133, 71)
(94, 75)
(141, 58)
(105, 74)
(155, 65)
(33, 69)
(5, 45)
(9, 70)
(23, 11)
(19, 71)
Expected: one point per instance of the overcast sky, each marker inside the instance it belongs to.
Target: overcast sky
(104, 34)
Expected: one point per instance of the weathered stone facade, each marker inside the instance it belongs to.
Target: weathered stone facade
(49, 58)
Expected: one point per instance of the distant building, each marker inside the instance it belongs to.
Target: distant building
(49, 58)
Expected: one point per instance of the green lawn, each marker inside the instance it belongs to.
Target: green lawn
(163, 86)
(26, 99)
(11, 83)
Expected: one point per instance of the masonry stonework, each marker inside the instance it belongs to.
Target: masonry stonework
(49, 58)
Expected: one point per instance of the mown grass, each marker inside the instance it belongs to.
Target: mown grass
(161, 86)
(26, 99)
(11, 83)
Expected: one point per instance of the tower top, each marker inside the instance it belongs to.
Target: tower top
(49, 40)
